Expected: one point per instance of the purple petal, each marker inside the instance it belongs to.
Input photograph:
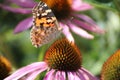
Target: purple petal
(71, 76)
(23, 25)
(87, 74)
(87, 26)
(67, 32)
(74, 76)
(85, 18)
(24, 3)
(87, 23)
(60, 75)
(50, 75)
(34, 74)
(80, 31)
(26, 70)
(80, 74)
(78, 5)
(16, 10)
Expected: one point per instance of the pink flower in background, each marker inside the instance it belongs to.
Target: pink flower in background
(23, 6)
(62, 62)
(68, 16)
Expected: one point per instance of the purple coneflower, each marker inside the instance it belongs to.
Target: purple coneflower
(67, 13)
(111, 67)
(62, 62)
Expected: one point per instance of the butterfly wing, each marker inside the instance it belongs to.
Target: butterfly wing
(45, 26)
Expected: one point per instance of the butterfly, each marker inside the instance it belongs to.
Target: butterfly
(45, 25)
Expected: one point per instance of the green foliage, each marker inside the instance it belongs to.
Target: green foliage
(106, 4)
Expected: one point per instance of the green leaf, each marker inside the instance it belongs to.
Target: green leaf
(112, 5)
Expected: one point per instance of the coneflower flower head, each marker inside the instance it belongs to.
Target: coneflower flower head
(5, 67)
(111, 68)
(64, 56)
(62, 62)
(66, 11)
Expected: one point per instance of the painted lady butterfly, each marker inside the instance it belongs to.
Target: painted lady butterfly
(45, 26)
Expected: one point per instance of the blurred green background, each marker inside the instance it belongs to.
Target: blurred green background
(19, 50)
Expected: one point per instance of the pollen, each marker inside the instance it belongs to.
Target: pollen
(63, 55)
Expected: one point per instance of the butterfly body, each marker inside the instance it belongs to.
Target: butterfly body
(45, 26)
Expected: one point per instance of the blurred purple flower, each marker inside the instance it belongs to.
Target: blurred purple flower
(62, 61)
(23, 6)
(78, 23)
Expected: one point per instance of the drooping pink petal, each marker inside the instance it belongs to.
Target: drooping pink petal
(76, 77)
(67, 32)
(92, 26)
(60, 75)
(84, 75)
(80, 31)
(78, 5)
(85, 18)
(23, 25)
(34, 74)
(26, 70)
(73, 76)
(24, 3)
(50, 75)
(17, 10)
(87, 26)
(88, 75)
